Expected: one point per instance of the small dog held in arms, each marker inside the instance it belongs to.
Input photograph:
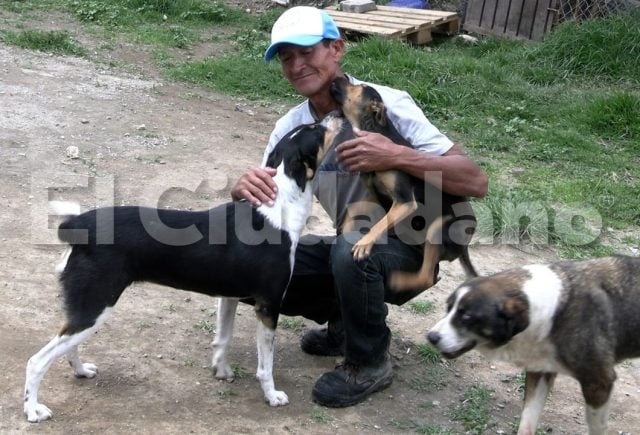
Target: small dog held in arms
(576, 318)
(203, 251)
(402, 195)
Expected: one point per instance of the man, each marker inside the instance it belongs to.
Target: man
(328, 285)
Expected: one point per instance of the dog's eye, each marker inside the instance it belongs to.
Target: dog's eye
(465, 318)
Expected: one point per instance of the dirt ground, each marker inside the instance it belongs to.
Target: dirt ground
(142, 140)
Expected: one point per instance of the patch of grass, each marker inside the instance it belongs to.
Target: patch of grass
(591, 49)
(205, 325)
(226, 393)
(55, 41)
(473, 412)
(421, 307)
(294, 324)
(320, 416)
(177, 24)
(238, 371)
(435, 379)
(614, 116)
(429, 429)
(429, 355)
(434, 429)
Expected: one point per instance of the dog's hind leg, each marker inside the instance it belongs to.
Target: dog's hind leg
(225, 318)
(597, 386)
(63, 344)
(426, 276)
(536, 390)
(80, 369)
(423, 278)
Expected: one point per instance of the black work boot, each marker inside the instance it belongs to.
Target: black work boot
(350, 384)
(324, 342)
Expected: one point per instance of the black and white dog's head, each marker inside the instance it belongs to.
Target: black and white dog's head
(484, 312)
(303, 148)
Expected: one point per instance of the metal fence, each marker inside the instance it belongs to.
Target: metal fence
(577, 10)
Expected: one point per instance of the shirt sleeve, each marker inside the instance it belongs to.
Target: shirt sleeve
(411, 122)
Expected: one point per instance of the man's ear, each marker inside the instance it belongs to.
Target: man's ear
(379, 113)
(337, 49)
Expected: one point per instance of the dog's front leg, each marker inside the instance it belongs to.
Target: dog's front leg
(536, 389)
(266, 346)
(224, 331)
(397, 213)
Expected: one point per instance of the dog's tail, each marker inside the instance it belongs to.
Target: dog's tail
(426, 276)
(64, 208)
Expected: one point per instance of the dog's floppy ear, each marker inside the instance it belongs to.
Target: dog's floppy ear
(512, 318)
(297, 169)
(379, 112)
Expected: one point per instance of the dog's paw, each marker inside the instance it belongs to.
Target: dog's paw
(361, 250)
(277, 398)
(86, 370)
(223, 371)
(37, 413)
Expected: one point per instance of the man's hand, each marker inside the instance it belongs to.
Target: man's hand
(256, 186)
(368, 152)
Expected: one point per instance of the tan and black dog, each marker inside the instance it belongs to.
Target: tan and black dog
(575, 318)
(449, 218)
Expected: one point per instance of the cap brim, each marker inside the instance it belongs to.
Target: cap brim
(301, 40)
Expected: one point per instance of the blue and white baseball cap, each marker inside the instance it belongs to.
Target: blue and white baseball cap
(301, 25)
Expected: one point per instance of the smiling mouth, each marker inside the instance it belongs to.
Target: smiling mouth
(456, 353)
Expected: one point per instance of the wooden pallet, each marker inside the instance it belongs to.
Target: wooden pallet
(412, 25)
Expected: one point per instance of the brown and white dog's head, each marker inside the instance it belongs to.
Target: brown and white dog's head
(483, 312)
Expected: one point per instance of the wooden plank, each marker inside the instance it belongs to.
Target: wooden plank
(501, 16)
(419, 12)
(514, 17)
(544, 18)
(473, 13)
(489, 14)
(413, 24)
(527, 18)
(368, 18)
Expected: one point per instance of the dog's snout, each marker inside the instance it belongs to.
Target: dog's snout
(337, 90)
(433, 337)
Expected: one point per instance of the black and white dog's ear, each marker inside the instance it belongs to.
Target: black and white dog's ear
(297, 169)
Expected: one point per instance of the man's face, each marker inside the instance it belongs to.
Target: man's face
(310, 70)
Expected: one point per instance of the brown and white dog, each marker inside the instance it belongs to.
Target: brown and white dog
(207, 251)
(575, 318)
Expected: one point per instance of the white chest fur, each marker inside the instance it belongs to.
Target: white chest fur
(291, 207)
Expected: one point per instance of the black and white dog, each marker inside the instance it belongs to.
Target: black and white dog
(576, 318)
(208, 252)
